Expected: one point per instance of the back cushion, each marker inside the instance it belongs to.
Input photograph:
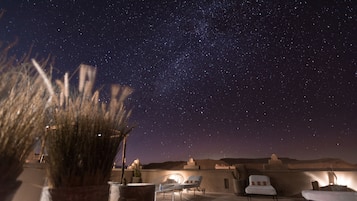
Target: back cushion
(259, 180)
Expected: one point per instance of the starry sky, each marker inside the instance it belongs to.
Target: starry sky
(212, 78)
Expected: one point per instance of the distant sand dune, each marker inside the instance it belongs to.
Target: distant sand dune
(259, 163)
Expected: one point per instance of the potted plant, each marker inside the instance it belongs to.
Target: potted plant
(136, 190)
(21, 120)
(135, 167)
(83, 137)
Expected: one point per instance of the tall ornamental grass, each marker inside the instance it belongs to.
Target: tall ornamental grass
(22, 112)
(84, 134)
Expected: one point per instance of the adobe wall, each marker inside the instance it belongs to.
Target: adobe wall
(213, 180)
(286, 182)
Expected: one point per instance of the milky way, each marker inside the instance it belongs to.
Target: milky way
(212, 79)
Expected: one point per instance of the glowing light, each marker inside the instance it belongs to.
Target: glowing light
(320, 177)
(343, 179)
(340, 178)
(176, 177)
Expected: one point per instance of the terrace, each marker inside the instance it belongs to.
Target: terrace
(218, 183)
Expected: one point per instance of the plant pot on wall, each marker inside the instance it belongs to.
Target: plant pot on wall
(136, 180)
(136, 167)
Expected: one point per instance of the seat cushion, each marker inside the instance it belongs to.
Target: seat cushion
(261, 190)
(260, 184)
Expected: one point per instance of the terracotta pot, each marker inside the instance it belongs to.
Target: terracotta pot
(8, 190)
(87, 193)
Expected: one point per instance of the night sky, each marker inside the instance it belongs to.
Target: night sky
(212, 78)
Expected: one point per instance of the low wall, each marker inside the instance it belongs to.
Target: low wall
(213, 180)
(286, 182)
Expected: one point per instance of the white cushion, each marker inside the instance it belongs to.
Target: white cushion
(329, 195)
(261, 190)
(260, 184)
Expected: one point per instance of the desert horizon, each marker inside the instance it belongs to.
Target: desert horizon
(207, 163)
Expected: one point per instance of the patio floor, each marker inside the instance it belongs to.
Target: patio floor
(216, 197)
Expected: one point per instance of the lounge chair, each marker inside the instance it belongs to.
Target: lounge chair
(193, 182)
(260, 185)
(329, 195)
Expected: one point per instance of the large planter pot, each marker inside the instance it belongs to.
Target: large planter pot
(87, 193)
(132, 192)
(8, 190)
